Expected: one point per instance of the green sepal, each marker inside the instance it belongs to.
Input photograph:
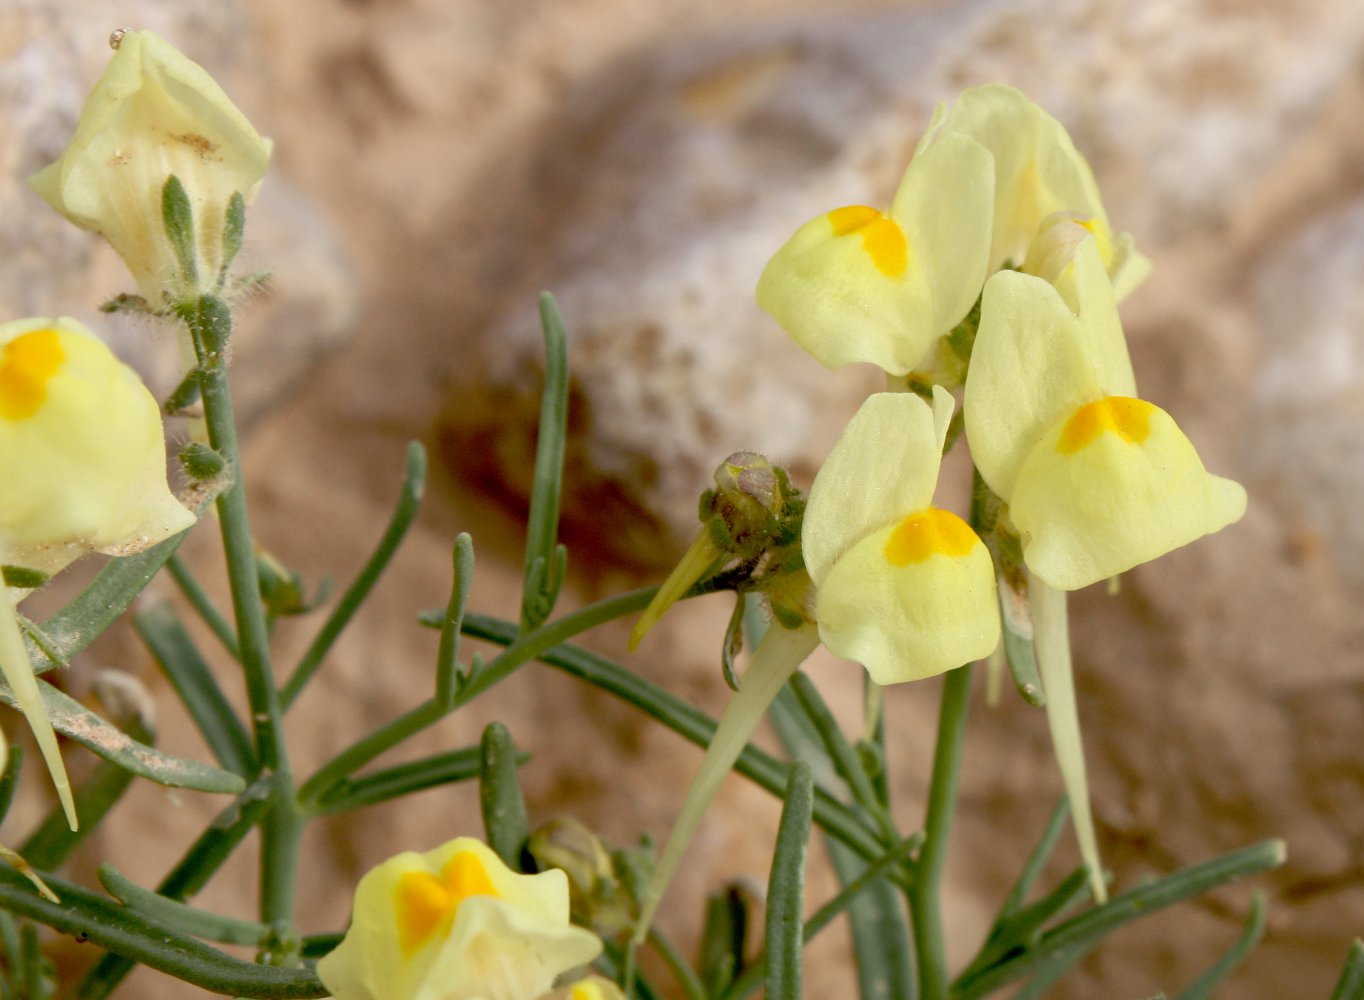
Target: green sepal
(197, 459)
(234, 226)
(177, 219)
(23, 578)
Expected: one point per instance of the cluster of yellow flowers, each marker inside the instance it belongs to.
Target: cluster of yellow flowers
(997, 206)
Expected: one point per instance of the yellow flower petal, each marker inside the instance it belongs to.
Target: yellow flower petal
(859, 285)
(1114, 484)
(1038, 171)
(155, 113)
(848, 286)
(1037, 357)
(884, 465)
(944, 202)
(914, 599)
(456, 923)
(83, 450)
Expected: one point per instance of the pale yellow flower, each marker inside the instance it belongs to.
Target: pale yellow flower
(1038, 172)
(591, 988)
(902, 587)
(82, 469)
(155, 113)
(859, 284)
(1097, 480)
(456, 923)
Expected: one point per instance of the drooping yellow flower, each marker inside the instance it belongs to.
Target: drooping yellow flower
(1038, 172)
(859, 284)
(82, 469)
(155, 113)
(456, 923)
(1097, 480)
(902, 587)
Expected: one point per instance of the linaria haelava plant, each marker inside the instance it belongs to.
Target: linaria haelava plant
(987, 291)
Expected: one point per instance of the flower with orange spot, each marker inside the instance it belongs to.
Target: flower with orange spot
(902, 587)
(859, 284)
(456, 923)
(1097, 480)
(154, 114)
(82, 469)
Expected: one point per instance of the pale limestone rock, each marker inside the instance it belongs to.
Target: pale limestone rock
(669, 181)
(1309, 394)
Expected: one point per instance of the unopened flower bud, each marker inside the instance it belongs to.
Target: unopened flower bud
(749, 494)
(155, 115)
(597, 899)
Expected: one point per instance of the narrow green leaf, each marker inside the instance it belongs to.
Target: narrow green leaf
(845, 759)
(1202, 988)
(1073, 939)
(724, 940)
(72, 719)
(881, 946)
(1350, 986)
(9, 944)
(36, 970)
(9, 782)
(499, 795)
(447, 657)
(54, 840)
(542, 581)
(409, 499)
(184, 918)
(1022, 928)
(677, 965)
(182, 397)
(175, 653)
(204, 857)
(684, 719)
(1037, 860)
(86, 916)
(177, 219)
(846, 899)
(1018, 646)
(97, 607)
(203, 606)
(733, 642)
(405, 779)
(785, 936)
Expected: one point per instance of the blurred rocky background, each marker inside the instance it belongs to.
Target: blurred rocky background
(438, 162)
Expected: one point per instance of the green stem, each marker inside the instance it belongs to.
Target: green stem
(210, 325)
(942, 800)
